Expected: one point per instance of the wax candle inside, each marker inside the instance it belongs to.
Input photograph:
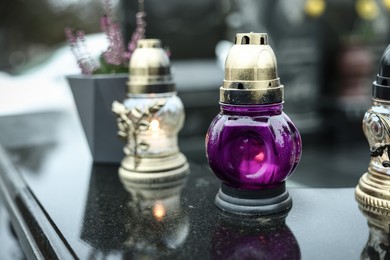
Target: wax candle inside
(154, 128)
(158, 139)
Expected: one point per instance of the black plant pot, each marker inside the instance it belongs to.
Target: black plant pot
(93, 96)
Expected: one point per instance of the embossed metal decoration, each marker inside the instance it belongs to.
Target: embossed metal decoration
(131, 123)
(373, 189)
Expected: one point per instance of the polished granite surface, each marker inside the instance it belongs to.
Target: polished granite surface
(92, 215)
(107, 220)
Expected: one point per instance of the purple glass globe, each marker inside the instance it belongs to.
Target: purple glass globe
(253, 146)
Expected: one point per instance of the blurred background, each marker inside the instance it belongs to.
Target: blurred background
(328, 53)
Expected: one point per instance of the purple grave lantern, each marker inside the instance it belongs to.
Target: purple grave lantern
(252, 146)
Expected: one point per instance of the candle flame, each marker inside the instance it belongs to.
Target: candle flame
(159, 211)
(154, 125)
(260, 157)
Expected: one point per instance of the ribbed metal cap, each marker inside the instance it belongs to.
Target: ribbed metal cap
(149, 69)
(251, 72)
(381, 87)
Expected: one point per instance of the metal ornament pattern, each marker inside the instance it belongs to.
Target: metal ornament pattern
(374, 186)
(376, 127)
(131, 123)
(373, 189)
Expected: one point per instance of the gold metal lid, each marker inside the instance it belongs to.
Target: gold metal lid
(251, 76)
(149, 69)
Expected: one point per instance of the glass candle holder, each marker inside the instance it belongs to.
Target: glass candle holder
(374, 186)
(252, 146)
(150, 118)
(160, 117)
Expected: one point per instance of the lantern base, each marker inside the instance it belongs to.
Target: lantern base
(153, 173)
(373, 190)
(254, 202)
(153, 164)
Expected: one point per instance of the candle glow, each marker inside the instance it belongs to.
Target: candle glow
(154, 127)
(159, 211)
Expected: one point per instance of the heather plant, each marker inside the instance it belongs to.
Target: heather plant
(116, 58)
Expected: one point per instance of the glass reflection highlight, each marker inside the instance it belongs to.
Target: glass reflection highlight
(254, 238)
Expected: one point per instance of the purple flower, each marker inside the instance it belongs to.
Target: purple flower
(76, 40)
(116, 53)
(139, 32)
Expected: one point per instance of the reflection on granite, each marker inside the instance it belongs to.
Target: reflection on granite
(158, 224)
(31, 157)
(146, 221)
(378, 244)
(150, 221)
(254, 238)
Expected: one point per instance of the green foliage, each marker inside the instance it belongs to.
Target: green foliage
(106, 68)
